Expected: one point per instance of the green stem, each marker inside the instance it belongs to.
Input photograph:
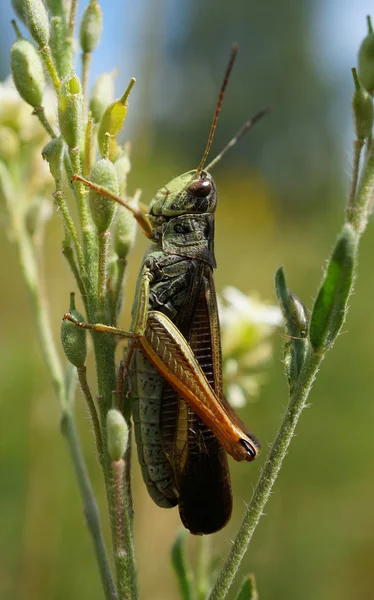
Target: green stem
(72, 18)
(88, 145)
(118, 292)
(103, 242)
(86, 61)
(90, 508)
(268, 476)
(88, 232)
(46, 55)
(124, 539)
(50, 355)
(360, 209)
(358, 144)
(203, 555)
(69, 255)
(40, 113)
(82, 375)
(63, 208)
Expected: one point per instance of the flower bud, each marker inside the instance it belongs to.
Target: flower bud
(56, 7)
(70, 110)
(112, 122)
(27, 71)
(362, 107)
(73, 337)
(102, 208)
(53, 153)
(298, 316)
(91, 26)
(36, 19)
(366, 60)
(117, 433)
(102, 94)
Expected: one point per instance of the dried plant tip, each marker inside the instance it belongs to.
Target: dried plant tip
(27, 71)
(73, 338)
(36, 20)
(102, 208)
(330, 307)
(117, 433)
(91, 26)
(70, 110)
(362, 107)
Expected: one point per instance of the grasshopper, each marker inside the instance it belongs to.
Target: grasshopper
(183, 425)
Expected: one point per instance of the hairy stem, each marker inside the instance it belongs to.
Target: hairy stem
(90, 508)
(268, 477)
(82, 375)
(124, 547)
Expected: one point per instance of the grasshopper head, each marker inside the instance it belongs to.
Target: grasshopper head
(190, 193)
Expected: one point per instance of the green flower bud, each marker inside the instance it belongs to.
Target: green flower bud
(36, 19)
(124, 232)
(70, 110)
(102, 208)
(53, 153)
(117, 433)
(9, 144)
(330, 307)
(112, 122)
(102, 94)
(27, 71)
(91, 26)
(362, 106)
(73, 338)
(366, 60)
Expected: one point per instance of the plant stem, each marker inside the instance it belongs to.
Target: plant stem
(46, 55)
(103, 242)
(357, 148)
(91, 511)
(268, 476)
(40, 113)
(72, 18)
(50, 355)
(88, 145)
(86, 61)
(124, 546)
(360, 208)
(82, 375)
(63, 208)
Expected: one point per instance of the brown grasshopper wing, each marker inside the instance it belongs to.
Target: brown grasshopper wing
(199, 460)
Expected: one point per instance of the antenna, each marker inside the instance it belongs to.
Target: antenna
(246, 127)
(234, 52)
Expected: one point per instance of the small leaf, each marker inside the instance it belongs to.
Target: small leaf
(248, 591)
(331, 304)
(181, 567)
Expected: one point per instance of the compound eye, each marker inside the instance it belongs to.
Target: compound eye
(200, 188)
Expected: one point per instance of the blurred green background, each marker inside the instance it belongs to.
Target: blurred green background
(282, 193)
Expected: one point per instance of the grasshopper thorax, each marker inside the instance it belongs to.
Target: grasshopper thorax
(191, 193)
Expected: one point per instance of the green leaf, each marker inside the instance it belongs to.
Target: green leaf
(330, 307)
(181, 567)
(248, 591)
